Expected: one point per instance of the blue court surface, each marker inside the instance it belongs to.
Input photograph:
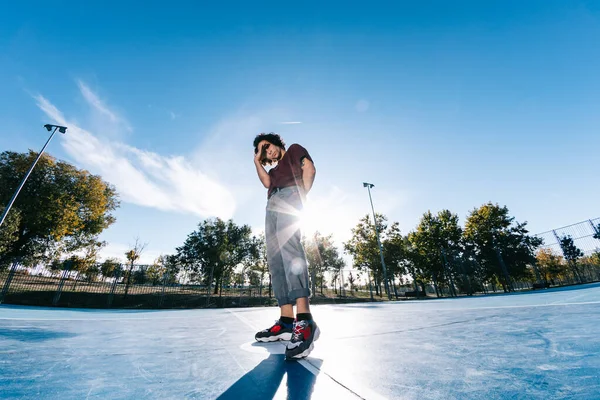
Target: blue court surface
(541, 345)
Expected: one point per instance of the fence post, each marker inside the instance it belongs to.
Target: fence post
(161, 298)
(9, 278)
(67, 264)
(111, 295)
(558, 241)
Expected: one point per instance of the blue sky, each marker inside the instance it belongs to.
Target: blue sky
(439, 104)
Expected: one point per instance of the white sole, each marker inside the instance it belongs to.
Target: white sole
(283, 336)
(306, 352)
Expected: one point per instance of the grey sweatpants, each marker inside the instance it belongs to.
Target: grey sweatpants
(285, 253)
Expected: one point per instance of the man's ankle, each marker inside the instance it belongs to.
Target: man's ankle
(304, 316)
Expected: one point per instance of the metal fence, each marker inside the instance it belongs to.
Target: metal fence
(126, 286)
(585, 238)
(582, 234)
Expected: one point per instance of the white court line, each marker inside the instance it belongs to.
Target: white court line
(571, 298)
(423, 307)
(519, 306)
(316, 371)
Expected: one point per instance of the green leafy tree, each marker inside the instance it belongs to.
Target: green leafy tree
(258, 268)
(253, 266)
(323, 257)
(550, 265)
(88, 266)
(500, 246)
(111, 268)
(9, 231)
(133, 255)
(595, 258)
(417, 265)
(352, 282)
(572, 254)
(140, 275)
(331, 259)
(437, 240)
(61, 209)
(395, 254)
(597, 232)
(364, 249)
(215, 249)
(156, 272)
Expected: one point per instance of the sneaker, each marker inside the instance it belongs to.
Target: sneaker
(302, 343)
(274, 333)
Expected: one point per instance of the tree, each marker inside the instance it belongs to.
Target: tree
(416, 264)
(437, 240)
(351, 282)
(595, 258)
(364, 249)
(88, 265)
(215, 249)
(9, 231)
(258, 267)
(572, 253)
(111, 268)
(550, 265)
(156, 272)
(164, 270)
(322, 256)
(395, 254)
(61, 209)
(499, 245)
(597, 232)
(253, 266)
(132, 256)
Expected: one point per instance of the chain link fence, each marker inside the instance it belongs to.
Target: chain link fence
(582, 234)
(580, 252)
(123, 286)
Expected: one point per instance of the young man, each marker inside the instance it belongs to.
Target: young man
(288, 183)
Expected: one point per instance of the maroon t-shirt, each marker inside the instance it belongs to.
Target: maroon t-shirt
(288, 171)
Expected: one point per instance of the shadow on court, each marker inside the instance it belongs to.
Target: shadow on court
(33, 334)
(264, 380)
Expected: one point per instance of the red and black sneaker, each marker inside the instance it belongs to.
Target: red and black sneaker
(306, 332)
(274, 333)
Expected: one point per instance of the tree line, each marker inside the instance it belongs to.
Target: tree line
(59, 215)
(491, 249)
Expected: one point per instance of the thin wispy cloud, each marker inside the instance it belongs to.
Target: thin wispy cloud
(97, 104)
(290, 122)
(168, 183)
(95, 101)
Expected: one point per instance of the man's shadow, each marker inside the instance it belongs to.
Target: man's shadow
(263, 381)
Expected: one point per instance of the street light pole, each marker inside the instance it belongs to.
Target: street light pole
(61, 129)
(385, 279)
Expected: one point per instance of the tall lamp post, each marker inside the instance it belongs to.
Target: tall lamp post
(385, 279)
(49, 127)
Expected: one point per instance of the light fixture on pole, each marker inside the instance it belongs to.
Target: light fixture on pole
(49, 127)
(385, 279)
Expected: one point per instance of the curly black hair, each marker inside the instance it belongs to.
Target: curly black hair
(272, 138)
